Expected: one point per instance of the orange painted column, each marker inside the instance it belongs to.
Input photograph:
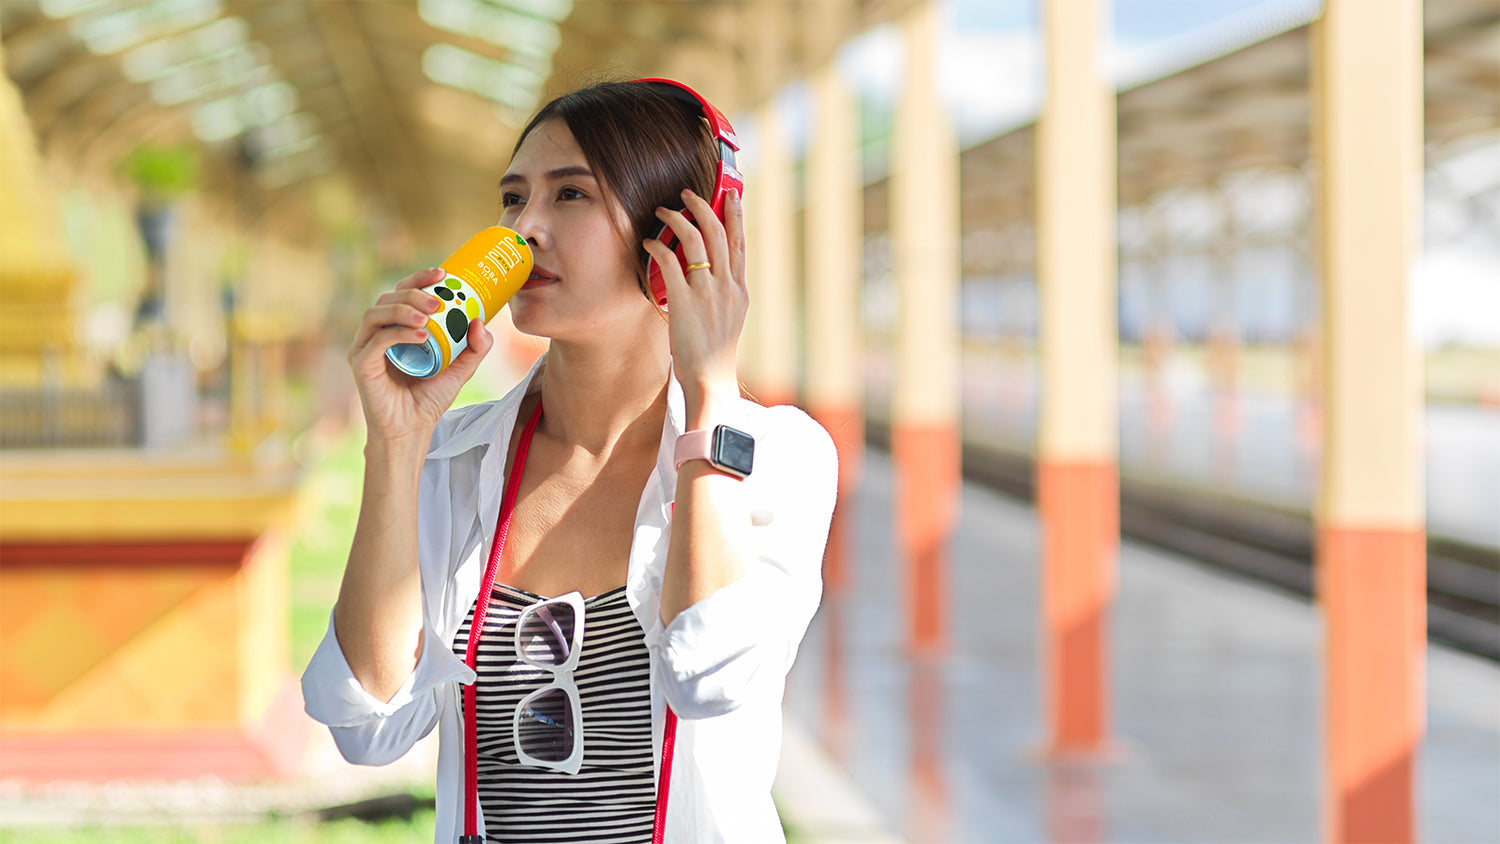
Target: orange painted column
(1079, 506)
(1077, 487)
(834, 260)
(1371, 561)
(929, 795)
(925, 443)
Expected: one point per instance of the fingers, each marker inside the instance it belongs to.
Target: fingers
(706, 239)
(381, 339)
(734, 225)
(671, 269)
(687, 234)
(711, 230)
(421, 278)
(480, 341)
(414, 298)
(401, 308)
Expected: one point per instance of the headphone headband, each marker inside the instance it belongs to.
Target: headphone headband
(682, 93)
(727, 178)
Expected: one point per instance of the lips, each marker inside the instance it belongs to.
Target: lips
(539, 278)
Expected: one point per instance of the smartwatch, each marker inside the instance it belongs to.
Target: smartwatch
(727, 449)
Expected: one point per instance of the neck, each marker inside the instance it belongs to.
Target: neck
(596, 397)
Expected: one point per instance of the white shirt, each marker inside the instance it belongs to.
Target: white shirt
(721, 664)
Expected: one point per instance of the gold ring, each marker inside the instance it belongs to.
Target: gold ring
(701, 265)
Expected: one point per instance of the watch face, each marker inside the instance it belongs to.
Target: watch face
(733, 450)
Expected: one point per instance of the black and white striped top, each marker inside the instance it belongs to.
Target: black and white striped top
(612, 798)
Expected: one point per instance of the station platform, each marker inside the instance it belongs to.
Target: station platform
(1215, 706)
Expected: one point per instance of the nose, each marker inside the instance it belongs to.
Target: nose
(531, 223)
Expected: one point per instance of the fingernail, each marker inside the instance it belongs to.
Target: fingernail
(734, 196)
(421, 335)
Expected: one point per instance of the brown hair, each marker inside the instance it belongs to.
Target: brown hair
(643, 146)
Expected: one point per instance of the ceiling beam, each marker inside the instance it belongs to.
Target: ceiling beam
(384, 141)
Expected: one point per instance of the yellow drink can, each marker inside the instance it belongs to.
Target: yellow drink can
(481, 277)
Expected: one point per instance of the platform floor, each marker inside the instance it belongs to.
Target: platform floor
(1216, 704)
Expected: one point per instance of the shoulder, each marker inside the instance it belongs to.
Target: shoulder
(463, 428)
(789, 440)
(793, 425)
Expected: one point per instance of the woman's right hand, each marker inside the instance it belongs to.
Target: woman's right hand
(397, 406)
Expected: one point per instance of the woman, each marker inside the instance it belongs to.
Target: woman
(701, 583)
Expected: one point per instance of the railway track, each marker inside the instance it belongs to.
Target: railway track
(1268, 545)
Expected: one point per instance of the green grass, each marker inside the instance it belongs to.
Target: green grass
(279, 830)
(320, 543)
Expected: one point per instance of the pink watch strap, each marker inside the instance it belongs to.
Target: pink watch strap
(693, 445)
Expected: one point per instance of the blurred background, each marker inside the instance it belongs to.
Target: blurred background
(198, 199)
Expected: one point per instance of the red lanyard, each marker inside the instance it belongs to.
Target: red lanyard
(476, 629)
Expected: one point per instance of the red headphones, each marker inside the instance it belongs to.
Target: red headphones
(727, 179)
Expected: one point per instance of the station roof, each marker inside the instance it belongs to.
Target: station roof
(1248, 107)
(411, 101)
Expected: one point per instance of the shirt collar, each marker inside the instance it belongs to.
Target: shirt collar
(495, 420)
(485, 425)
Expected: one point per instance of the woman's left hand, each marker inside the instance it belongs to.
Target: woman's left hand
(707, 303)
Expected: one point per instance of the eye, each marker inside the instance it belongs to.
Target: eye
(571, 193)
(508, 199)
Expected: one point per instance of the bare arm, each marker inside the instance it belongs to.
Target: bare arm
(378, 617)
(712, 544)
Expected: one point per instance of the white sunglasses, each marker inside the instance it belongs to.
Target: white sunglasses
(548, 723)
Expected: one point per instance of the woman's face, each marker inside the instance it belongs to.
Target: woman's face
(583, 282)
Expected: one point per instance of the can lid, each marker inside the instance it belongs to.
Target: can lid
(420, 360)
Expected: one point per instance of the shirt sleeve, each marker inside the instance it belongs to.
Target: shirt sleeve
(367, 730)
(738, 643)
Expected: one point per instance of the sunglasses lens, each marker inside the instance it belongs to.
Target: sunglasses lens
(547, 633)
(545, 727)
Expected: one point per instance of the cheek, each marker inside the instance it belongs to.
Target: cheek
(614, 256)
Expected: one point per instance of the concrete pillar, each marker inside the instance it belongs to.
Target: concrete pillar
(925, 443)
(749, 352)
(770, 338)
(834, 258)
(772, 262)
(1077, 478)
(1159, 340)
(1371, 561)
(1225, 339)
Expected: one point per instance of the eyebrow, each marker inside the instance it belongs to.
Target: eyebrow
(558, 173)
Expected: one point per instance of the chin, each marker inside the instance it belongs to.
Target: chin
(618, 320)
(527, 321)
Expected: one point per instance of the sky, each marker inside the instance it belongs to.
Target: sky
(998, 41)
(1134, 20)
